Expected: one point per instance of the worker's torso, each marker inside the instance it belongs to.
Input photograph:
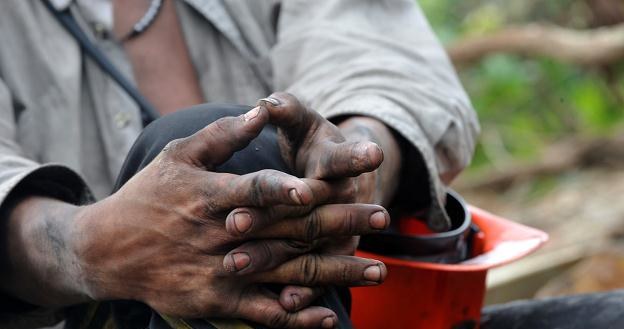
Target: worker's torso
(69, 111)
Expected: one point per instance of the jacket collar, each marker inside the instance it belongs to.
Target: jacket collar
(213, 10)
(61, 4)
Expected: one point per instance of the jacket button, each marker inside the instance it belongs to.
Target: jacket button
(122, 119)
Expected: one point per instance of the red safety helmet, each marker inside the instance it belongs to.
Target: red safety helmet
(435, 295)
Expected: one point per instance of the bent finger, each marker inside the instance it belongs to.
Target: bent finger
(349, 159)
(294, 298)
(261, 255)
(318, 270)
(286, 112)
(328, 221)
(244, 219)
(260, 307)
(259, 189)
(321, 221)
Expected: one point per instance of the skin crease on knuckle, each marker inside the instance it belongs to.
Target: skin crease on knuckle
(260, 188)
(220, 135)
(310, 269)
(313, 226)
(237, 136)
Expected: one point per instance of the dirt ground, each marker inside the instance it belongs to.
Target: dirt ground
(583, 212)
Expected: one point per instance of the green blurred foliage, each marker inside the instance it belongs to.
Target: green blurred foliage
(526, 103)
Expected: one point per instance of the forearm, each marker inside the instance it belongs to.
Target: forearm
(38, 255)
(386, 178)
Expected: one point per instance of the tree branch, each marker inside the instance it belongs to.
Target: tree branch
(605, 152)
(596, 47)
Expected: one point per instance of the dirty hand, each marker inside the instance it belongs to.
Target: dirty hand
(314, 148)
(161, 238)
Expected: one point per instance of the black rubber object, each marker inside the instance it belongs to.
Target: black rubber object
(448, 247)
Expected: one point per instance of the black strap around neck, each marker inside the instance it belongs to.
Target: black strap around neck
(65, 18)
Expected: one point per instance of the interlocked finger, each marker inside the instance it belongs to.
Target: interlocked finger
(348, 159)
(260, 255)
(243, 221)
(259, 189)
(289, 114)
(322, 270)
(294, 298)
(324, 221)
(261, 307)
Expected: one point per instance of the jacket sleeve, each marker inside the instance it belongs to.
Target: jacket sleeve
(20, 173)
(378, 58)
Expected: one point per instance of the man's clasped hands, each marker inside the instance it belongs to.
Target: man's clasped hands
(191, 242)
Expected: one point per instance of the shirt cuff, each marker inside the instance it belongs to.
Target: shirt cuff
(51, 180)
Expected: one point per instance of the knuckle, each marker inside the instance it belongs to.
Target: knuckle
(268, 185)
(264, 253)
(221, 126)
(298, 246)
(254, 193)
(322, 166)
(215, 203)
(349, 223)
(197, 211)
(310, 269)
(230, 127)
(346, 273)
(220, 131)
(210, 200)
(286, 96)
(352, 189)
(279, 319)
(313, 226)
(208, 207)
(173, 147)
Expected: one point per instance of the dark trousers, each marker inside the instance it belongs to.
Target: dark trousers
(262, 153)
(591, 311)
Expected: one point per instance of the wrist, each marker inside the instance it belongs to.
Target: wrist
(93, 241)
(40, 260)
(386, 177)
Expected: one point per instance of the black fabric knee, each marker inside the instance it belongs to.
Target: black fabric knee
(598, 310)
(262, 153)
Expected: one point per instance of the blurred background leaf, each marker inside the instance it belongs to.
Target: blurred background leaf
(525, 103)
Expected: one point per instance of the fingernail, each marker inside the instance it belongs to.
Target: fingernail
(241, 260)
(372, 273)
(294, 195)
(296, 300)
(273, 101)
(252, 114)
(378, 220)
(374, 151)
(328, 322)
(242, 221)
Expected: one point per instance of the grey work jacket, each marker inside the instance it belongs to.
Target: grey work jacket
(63, 121)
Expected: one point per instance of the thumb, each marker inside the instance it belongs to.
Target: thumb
(218, 141)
